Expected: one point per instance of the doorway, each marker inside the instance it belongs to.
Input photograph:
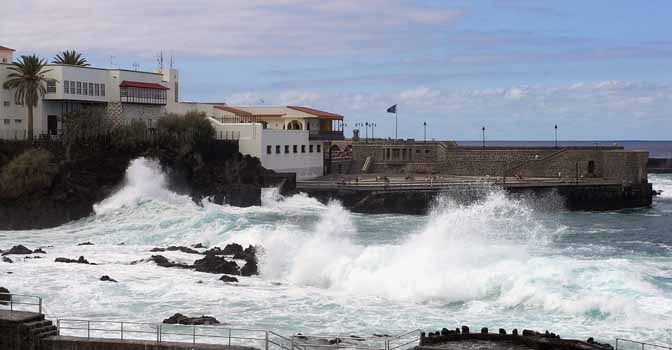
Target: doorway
(52, 125)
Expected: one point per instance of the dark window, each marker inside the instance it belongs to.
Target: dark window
(102, 89)
(286, 148)
(79, 88)
(295, 148)
(51, 86)
(319, 148)
(85, 89)
(90, 89)
(427, 151)
(310, 148)
(6, 103)
(418, 151)
(142, 95)
(6, 121)
(303, 148)
(269, 149)
(72, 87)
(97, 89)
(277, 149)
(66, 87)
(591, 167)
(17, 121)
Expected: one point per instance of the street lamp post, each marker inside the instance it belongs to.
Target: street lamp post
(424, 125)
(556, 135)
(373, 125)
(483, 129)
(367, 131)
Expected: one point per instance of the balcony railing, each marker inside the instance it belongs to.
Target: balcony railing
(326, 135)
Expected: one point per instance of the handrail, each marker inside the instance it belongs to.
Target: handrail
(11, 302)
(642, 344)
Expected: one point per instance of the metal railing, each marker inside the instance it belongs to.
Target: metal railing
(11, 301)
(222, 335)
(627, 344)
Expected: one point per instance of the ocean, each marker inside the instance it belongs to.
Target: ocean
(499, 262)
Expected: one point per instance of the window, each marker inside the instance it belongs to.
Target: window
(102, 89)
(51, 86)
(418, 151)
(286, 148)
(303, 148)
(142, 95)
(85, 89)
(295, 148)
(268, 149)
(277, 149)
(6, 121)
(427, 151)
(66, 87)
(79, 88)
(97, 89)
(310, 148)
(72, 87)
(319, 148)
(90, 89)
(6, 103)
(17, 121)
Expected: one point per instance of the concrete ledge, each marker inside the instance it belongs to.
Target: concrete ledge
(77, 343)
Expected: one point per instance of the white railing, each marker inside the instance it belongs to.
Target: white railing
(18, 302)
(626, 344)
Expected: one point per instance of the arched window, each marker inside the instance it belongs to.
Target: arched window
(294, 125)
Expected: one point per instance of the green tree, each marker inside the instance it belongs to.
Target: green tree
(72, 58)
(28, 78)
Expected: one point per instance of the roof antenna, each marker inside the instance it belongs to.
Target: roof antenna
(136, 66)
(171, 62)
(159, 60)
(112, 64)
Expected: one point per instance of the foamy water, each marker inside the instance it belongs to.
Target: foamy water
(496, 263)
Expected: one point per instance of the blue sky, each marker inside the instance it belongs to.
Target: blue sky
(598, 69)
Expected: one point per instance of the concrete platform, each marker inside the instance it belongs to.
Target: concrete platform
(78, 343)
(19, 316)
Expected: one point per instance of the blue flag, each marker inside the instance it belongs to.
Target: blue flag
(392, 109)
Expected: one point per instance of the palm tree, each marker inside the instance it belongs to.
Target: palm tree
(72, 58)
(28, 78)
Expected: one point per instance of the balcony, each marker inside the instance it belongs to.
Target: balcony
(326, 135)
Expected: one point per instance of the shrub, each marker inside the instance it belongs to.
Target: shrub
(29, 172)
(193, 127)
(128, 137)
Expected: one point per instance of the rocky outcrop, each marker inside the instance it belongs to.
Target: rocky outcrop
(178, 318)
(107, 278)
(164, 262)
(250, 268)
(39, 251)
(228, 279)
(7, 260)
(176, 248)
(81, 260)
(18, 250)
(215, 264)
(85, 243)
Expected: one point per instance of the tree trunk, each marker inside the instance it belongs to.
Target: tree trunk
(30, 122)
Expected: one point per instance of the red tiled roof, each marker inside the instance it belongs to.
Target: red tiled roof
(3, 48)
(316, 112)
(137, 84)
(235, 111)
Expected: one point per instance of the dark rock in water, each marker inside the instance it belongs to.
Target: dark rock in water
(484, 330)
(233, 249)
(164, 262)
(249, 254)
(422, 334)
(335, 341)
(81, 260)
(431, 334)
(215, 264)
(514, 331)
(250, 268)
(85, 243)
(176, 248)
(6, 259)
(108, 279)
(445, 331)
(228, 279)
(181, 319)
(457, 330)
(465, 330)
(18, 250)
(199, 246)
(502, 331)
(4, 298)
(214, 251)
(33, 257)
(590, 340)
(39, 251)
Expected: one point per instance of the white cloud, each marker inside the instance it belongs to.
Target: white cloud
(216, 28)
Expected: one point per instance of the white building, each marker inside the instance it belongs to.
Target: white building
(285, 139)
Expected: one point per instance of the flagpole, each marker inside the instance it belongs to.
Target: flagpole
(395, 124)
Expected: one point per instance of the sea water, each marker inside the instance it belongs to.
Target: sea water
(499, 262)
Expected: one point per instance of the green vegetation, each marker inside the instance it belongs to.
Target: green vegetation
(72, 58)
(28, 78)
(29, 172)
(193, 128)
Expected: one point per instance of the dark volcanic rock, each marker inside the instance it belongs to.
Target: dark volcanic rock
(81, 260)
(164, 262)
(199, 246)
(176, 248)
(181, 319)
(233, 249)
(4, 298)
(465, 330)
(229, 279)
(6, 259)
(249, 254)
(18, 250)
(39, 251)
(107, 279)
(250, 268)
(85, 243)
(215, 264)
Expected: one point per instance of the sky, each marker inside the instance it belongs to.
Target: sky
(599, 69)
